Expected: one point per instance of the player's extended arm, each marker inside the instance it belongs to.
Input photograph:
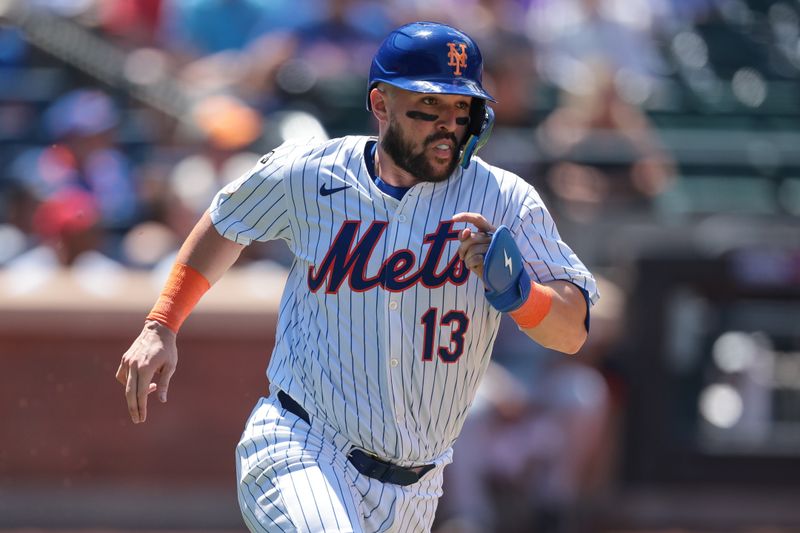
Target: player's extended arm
(552, 314)
(563, 328)
(202, 260)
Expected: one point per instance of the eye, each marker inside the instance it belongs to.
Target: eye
(429, 100)
(462, 105)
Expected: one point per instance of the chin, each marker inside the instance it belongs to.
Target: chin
(446, 165)
(439, 173)
(441, 164)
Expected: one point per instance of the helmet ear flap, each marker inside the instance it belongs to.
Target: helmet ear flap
(481, 121)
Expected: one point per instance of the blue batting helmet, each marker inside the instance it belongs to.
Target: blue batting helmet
(428, 57)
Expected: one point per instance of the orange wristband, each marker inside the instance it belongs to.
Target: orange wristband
(535, 307)
(183, 289)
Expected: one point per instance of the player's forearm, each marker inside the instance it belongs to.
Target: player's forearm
(207, 251)
(202, 260)
(563, 327)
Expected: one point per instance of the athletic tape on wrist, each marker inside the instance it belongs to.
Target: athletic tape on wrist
(536, 307)
(183, 289)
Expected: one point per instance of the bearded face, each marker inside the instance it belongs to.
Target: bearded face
(420, 159)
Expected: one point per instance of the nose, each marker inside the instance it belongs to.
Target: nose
(447, 120)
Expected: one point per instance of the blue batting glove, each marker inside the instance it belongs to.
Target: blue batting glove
(504, 276)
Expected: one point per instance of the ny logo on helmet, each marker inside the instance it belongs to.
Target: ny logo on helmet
(458, 58)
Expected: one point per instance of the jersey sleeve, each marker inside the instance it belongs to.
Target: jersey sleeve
(254, 207)
(547, 256)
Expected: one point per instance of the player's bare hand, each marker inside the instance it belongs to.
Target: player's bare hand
(147, 367)
(474, 244)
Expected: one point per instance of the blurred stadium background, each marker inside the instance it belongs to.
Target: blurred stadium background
(663, 134)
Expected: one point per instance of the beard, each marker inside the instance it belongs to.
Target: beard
(416, 164)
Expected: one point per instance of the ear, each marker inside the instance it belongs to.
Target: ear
(379, 101)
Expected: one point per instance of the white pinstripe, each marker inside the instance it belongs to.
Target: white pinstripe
(352, 354)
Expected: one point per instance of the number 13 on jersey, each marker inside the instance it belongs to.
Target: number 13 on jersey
(458, 323)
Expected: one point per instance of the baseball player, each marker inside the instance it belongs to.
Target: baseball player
(408, 249)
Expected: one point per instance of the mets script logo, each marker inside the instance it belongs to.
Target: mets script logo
(457, 57)
(348, 260)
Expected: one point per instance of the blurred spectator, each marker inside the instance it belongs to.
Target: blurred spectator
(227, 127)
(326, 76)
(345, 39)
(178, 183)
(482, 18)
(227, 123)
(573, 33)
(605, 152)
(509, 72)
(67, 226)
(509, 63)
(232, 46)
(196, 28)
(135, 22)
(82, 125)
(539, 441)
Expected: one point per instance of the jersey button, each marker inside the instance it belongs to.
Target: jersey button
(401, 218)
(394, 362)
(392, 305)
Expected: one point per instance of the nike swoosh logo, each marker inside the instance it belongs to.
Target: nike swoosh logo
(508, 263)
(324, 191)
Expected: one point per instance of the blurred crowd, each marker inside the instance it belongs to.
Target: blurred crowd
(117, 147)
(120, 119)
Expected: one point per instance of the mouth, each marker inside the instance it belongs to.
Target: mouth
(443, 149)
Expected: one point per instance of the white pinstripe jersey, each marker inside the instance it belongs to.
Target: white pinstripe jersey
(383, 333)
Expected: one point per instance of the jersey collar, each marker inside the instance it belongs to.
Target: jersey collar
(369, 158)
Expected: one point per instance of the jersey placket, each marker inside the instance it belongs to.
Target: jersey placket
(397, 233)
